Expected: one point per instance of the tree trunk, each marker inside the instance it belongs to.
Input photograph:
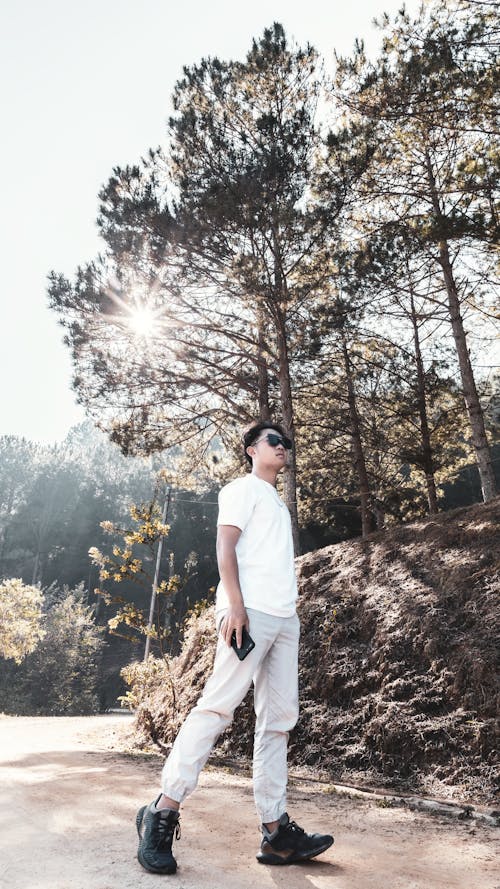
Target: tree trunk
(474, 409)
(427, 455)
(3, 535)
(36, 568)
(262, 372)
(357, 447)
(278, 312)
(378, 511)
(290, 474)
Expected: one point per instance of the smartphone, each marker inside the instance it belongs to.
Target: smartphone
(247, 644)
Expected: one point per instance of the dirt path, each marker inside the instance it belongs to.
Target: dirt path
(69, 797)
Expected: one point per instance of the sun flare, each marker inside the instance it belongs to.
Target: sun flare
(142, 321)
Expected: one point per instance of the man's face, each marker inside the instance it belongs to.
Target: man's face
(269, 451)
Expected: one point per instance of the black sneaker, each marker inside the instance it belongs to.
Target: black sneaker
(289, 843)
(155, 840)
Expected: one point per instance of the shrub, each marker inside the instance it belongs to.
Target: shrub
(60, 676)
(20, 619)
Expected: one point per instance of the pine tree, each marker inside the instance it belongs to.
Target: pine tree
(435, 168)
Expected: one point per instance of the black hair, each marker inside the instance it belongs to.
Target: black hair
(254, 431)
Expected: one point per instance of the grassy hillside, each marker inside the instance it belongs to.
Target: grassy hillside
(399, 652)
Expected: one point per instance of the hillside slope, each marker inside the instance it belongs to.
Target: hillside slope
(399, 650)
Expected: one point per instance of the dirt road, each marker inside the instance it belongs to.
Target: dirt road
(69, 796)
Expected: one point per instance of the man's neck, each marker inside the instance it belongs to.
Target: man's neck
(267, 475)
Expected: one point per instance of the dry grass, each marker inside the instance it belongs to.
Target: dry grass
(399, 653)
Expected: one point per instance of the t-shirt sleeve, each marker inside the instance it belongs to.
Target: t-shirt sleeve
(236, 504)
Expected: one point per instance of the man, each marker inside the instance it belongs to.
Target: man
(257, 591)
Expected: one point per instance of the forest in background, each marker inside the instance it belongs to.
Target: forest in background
(52, 502)
(317, 250)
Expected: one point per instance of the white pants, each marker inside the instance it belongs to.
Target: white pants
(273, 667)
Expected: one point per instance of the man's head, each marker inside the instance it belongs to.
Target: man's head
(268, 441)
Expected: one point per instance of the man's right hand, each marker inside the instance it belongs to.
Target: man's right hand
(235, 619)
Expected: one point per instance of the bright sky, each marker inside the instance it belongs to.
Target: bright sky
(87, 87)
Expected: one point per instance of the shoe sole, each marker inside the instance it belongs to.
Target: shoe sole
(294, 859)
(146, 866)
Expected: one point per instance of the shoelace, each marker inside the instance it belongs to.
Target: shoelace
(294, 827)
(167, 830)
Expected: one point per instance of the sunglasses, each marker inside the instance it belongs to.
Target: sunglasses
(274, 440)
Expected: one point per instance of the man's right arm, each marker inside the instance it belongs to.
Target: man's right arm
(236, 617)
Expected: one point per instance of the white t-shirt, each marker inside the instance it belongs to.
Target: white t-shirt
(264, 550)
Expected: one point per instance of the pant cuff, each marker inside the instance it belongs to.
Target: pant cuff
(273, 814)
(175, 792)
